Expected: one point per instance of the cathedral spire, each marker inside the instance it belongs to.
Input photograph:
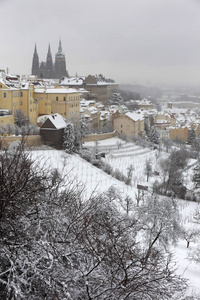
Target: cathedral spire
(60, 47)
(59, 53)
(35, 63)
(35, 51)
(49, 50)
(49, 73)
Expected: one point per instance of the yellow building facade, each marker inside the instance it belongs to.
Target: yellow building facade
(6, 119)
(21, 97)
(180, 134)
(65, 102)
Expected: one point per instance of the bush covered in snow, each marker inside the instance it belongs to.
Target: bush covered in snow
(10, 129)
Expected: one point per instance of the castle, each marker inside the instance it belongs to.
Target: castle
(47, 69)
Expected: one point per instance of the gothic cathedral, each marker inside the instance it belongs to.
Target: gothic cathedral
(47, 69)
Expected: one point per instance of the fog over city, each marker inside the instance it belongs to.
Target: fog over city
(149, 42)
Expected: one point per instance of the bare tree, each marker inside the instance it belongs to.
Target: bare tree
(54, 245)
(20, 118)
(160, 222)
(171, 170)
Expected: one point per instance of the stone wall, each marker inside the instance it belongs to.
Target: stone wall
(31, 140)
(99, 137)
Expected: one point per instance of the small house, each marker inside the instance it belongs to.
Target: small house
(52, 129)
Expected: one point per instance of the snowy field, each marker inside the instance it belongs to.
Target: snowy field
(93, 180)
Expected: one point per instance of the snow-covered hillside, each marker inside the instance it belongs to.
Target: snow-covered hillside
(94, 180)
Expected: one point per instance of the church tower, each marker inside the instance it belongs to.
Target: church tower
(49, 73)
(60, 64)
(35, 63)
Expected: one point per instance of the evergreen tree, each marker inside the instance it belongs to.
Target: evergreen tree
(196, 143)
(69, 138)
(148, 168)
(191, 136)
(154, 136)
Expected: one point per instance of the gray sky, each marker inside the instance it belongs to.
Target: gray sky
(132, 41)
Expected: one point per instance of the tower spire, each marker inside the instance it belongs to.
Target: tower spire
(49, 50)
(60, 64)
(35, 62)
(60, 48)
(35, 50)
(49, 72)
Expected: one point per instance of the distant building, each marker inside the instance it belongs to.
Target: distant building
(98, 87)
(180, 134)
(129, 124)
(48, 69)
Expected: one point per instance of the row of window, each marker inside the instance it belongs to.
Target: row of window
(73, 105)
(70, 98)
(64, 98)
(21, 102)
(73, 98)
(32, 109)
(16, 94)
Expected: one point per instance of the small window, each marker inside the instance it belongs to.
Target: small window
(56, 98)
(4, 95)
(64, 98)
(0, 86)
(121, 126)
(21, 94)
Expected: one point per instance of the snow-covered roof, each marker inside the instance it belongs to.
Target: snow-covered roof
(86, 103)
(73, 80)
(144, 102)
(99, 105)
(57, 120)
(42, 119)
(55, 90)
(93, 110)
(134, 116)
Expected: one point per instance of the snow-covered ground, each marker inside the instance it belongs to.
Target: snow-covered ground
(94, 180)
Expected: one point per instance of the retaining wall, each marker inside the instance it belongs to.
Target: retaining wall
(31, 140)
(99, 137)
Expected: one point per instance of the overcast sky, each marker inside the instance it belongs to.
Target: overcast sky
(131, 41)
